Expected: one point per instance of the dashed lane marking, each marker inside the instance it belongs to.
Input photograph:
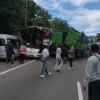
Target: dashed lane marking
(80, 95)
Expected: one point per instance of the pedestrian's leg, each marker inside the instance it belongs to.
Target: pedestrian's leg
(61, 64)
(97, 90)
(23, 58)
(43, 66)
(56, 65)
(43, 69)
(70, 63)
(94, 90)
(20, 59)
(7, 59)
(46, 71)
(12, 60)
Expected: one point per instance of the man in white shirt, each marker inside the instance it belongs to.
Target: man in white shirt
(59, 61)
(45, 55)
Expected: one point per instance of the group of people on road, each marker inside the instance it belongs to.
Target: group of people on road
(92, 71)
(45, 55)
(59, 60)
(10, 55)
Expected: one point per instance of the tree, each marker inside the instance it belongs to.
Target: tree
(42, 17)
(98, 37)
(12, 15)
(58, 24)
(13, 12)
(31, 12)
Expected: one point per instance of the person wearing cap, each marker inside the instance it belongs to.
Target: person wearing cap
(9, 53)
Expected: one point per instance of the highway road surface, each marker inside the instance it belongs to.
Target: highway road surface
(22, 82)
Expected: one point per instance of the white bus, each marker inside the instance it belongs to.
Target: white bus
(15, 41)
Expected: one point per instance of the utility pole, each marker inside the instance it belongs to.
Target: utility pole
(26, 15)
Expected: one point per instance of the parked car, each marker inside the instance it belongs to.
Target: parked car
(32, 51)
(15, 41)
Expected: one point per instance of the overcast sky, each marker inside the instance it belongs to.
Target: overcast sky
(83, 15)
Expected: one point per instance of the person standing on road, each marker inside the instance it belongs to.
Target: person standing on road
(92, 74)
(88, 52)
(9, 53)
(71, 56)
(22, 53)
(45, 56)
(59, 61)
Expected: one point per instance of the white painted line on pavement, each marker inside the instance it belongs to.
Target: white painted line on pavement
(80, 95)
(16, 67)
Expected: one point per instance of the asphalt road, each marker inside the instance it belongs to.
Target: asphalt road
(4, 66)
(24, 83)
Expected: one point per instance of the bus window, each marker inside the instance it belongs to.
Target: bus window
(2, 42)
(18, 42)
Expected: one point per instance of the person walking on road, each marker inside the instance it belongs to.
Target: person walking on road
(45, 56)
(92, 74)
(22, 53)
(59, 61)
(9, 53)
(88, 52)
(71, 56)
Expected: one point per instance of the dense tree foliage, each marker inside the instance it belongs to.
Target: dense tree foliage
(14, 14)
(59, 25)
(98, 37)
(42, 17)
(11, 15)
(30, 12)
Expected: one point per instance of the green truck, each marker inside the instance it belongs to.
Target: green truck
(73, 37)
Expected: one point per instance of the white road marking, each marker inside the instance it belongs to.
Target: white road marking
(16, 67)
(80, 95)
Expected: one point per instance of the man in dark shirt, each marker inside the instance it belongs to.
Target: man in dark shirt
(9, 53)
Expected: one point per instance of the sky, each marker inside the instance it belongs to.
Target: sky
(83, 15)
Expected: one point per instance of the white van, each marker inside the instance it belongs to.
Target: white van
(15, 41)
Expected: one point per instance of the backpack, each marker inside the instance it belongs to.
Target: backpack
(97, 57)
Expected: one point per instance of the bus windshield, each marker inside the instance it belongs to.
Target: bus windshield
(36, 36)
